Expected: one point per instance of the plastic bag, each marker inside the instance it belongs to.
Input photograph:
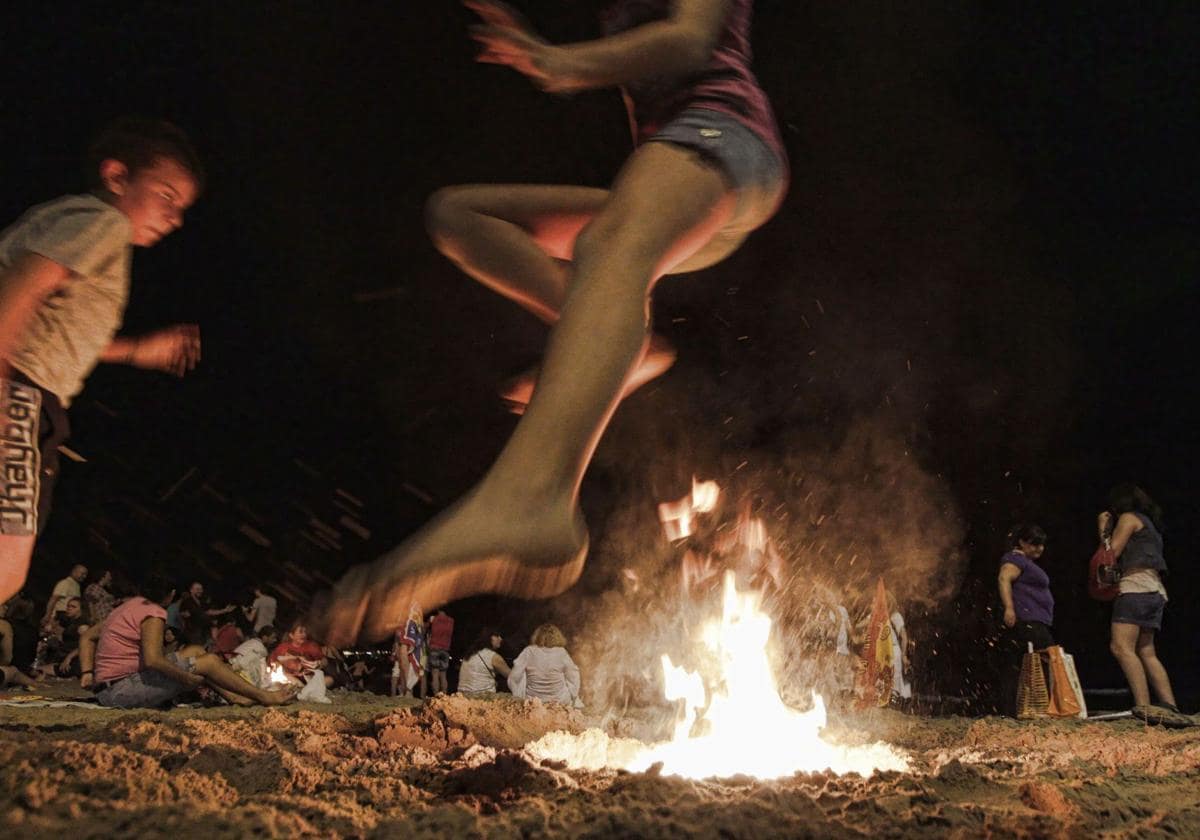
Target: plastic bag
(314, 689)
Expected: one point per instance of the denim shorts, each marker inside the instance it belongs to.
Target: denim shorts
(146, 689)
(753, 169)
(1145, 609)
(439, 660)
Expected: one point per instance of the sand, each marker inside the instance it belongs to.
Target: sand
(370, 766)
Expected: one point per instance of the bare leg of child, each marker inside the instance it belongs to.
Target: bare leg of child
(519, 531)
(519, 240)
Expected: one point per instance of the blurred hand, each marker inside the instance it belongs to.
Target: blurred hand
(508, 40)
(174, 350)
(1104, 520)
(86, 680)
(1010, 618)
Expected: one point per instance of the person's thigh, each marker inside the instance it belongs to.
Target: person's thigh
(1125, 635)
(667, 205)
(553, 215)
(143, 690)
(15, 553)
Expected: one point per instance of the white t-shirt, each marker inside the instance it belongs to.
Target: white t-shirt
(64, 591)
(264, 607)
(548, 673)
(73, 325)
(250, 658)
(478, 672)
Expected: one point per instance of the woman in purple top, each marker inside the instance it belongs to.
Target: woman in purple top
(1028, 604)
(709, 168)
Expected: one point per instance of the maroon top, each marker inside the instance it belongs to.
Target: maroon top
(726, 84)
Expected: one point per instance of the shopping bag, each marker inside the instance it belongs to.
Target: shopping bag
(1076, 686)
(1064, 701)
(1032, 697)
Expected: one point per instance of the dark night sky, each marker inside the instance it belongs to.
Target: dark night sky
(994, 208)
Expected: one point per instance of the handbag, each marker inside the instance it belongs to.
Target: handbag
(1066, 694)
(1103, 575)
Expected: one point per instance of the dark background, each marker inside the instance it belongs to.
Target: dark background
(990, 245)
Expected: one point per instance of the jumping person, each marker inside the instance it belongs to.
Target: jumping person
(1132, 526)
(64, 282)
(708, 169)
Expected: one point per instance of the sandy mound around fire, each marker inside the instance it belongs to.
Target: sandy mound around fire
(454, 767)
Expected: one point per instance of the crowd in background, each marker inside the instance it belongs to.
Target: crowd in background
(154, 644)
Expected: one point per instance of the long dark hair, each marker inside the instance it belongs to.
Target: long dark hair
(1129, 498)
(1024, 532)
(483, 640)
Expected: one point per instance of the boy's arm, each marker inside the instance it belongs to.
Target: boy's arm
(174, 350)
(30, 280)
(677, 46)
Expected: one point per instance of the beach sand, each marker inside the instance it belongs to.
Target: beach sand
(369, 766)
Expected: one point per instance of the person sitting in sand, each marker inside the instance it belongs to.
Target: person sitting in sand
(480, 667)
(250, 657)
(10, 675)
(123, 661)
(299, 656)
(545, 669)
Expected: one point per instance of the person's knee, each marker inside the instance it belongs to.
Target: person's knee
(205, 662)
(445, 211)
(1120, 649)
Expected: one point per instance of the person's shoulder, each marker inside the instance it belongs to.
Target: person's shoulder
(81, 211)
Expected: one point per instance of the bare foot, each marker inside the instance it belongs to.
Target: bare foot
(280, 696)
(474, 547)
(516, 393)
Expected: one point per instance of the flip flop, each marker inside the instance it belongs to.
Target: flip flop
(1160, 716)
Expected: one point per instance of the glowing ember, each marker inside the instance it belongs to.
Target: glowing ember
(745, 729)
(678, 516)
(277, 676)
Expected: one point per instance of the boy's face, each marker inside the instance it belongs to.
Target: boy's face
(154, 199)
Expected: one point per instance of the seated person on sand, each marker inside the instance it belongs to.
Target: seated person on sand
(249, 659)
(482, 663)
(123, 661)
(60, 642)
(299, 656)
(18, 634)
(545, 670)
(10, 675)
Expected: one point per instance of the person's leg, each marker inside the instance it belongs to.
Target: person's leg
(15, 554)
(519, 240)
(222, 678)
(1155, 672)
(1123, 647)
(519, 531)
(6, 642)
(13, 676)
